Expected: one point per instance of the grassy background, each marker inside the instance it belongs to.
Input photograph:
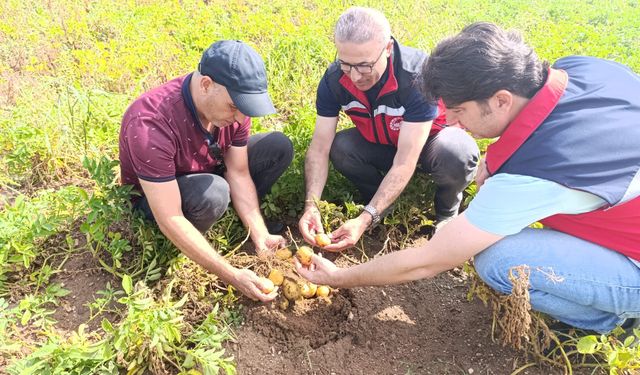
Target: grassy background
(68, 70)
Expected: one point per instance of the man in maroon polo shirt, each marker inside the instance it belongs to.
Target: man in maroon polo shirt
(185, 146)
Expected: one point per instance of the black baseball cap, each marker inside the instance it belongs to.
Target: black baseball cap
(240, 69)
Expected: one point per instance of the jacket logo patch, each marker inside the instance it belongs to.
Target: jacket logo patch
(395, 123)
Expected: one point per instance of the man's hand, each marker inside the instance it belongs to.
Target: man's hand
(482, 173)
(267, 245)
(249, 284)
(321, 271)
(349, 233)
(310, 223)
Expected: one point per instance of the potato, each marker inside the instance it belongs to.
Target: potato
(267, 285)
(323, 291)
(308, 290)
(290, 290)
(276, 276)
(284, 253)
(323, 239)
(304, 254)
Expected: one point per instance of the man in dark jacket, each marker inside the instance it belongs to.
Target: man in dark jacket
(396, 129)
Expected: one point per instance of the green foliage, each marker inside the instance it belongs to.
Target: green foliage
(621, 357)
(109, 204)
(78, 354)
(34, 309)
(152, 335)
(27, 223)
(69, 69)
(411, 212)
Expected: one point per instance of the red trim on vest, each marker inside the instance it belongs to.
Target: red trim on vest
(391, 84)
(347, 83)
(528, 120)
(378, 126)
(615, 228)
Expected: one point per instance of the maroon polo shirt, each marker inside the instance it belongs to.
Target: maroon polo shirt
(161, 138)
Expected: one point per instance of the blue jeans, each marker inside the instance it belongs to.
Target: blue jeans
(577, 282)
(206, 196)
(450, 157)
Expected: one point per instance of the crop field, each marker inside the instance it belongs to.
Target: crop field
(88, 287)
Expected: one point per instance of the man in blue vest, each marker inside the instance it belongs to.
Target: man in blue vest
(396, 129)
(568, 155)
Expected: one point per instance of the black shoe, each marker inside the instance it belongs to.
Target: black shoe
(274, 227)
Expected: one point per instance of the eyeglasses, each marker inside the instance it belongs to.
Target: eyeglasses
(360, 68)
(215, 151)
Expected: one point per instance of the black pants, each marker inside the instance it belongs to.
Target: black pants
(450, 157)
(205, 196)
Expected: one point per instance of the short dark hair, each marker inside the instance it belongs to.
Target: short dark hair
(481, 60)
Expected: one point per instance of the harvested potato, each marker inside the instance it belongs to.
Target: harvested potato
(276, 276)
(308, 290)
(323, 291)
(284, 253)
(267, 286)
(291, 290)
(304, 254)
(323, 239)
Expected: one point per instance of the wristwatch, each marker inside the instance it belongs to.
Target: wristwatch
(375, 218)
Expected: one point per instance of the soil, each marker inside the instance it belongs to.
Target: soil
(423, 327)
(84, 277)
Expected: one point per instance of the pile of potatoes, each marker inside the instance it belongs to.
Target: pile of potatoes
(293, 290)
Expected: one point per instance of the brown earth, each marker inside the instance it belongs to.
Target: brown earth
(423, 327)
(84, 277)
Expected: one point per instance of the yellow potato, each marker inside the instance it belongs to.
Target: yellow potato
(304, 254)
(284, 253)
(267, 286)
(290, 290)
(276, 276)
(323, 291)
(322, 239)
(308, 290)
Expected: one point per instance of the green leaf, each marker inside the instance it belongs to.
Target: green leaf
(25, 317)
(127, 284)
(189, 362)
(588, 344)
(629, 341)
(107, 326)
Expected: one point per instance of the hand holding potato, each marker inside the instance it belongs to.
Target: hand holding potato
(253, 286)
(310, 223)
(267, 245)
(347, 235)
(320, 271)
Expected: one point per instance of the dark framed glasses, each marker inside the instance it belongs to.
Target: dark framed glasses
(362, 68)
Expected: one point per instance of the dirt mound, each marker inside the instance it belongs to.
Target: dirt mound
(312, 322)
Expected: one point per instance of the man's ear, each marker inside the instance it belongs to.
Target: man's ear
(503, 100)
(207, 84)
(389, 47)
